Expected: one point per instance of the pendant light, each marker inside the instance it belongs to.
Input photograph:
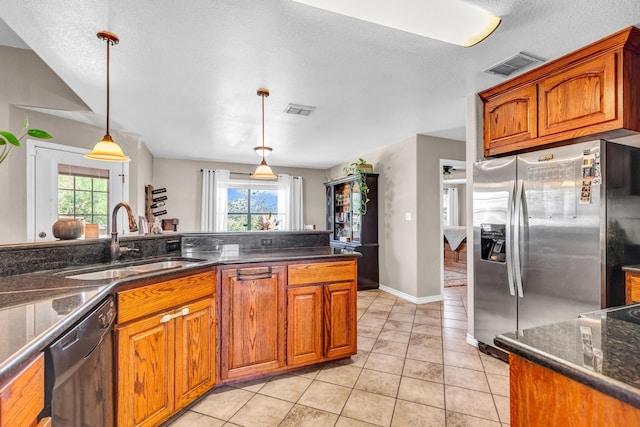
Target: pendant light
(263, 171)
(107, 150)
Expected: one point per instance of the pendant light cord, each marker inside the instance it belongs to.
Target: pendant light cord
(262, 96)
(108, 91)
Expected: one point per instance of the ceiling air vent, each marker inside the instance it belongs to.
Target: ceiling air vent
(300, 110)
(513, 64)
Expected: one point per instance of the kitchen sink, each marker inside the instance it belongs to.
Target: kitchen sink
(132, 270)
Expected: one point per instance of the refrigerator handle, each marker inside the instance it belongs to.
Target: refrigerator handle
(508, 225)
(516, 238)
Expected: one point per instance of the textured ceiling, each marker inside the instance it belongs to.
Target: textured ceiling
(185, 73)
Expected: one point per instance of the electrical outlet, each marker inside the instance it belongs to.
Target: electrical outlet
(266, 242)
(407, 216)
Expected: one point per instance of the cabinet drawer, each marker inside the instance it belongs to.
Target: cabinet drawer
(22, 397)
(321, 272)
(151, 299)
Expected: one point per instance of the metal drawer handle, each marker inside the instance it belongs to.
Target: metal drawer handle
(180, 313)
(254, 275)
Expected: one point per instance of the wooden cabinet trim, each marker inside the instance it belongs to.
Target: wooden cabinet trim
(150, 299)
(22, 397)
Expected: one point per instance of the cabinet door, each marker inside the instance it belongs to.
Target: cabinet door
(510, 118)
(580, 96)
(195, 353)
(145, 380)
(22, 397)
(340, 319)
(304, 325)
(252, 320)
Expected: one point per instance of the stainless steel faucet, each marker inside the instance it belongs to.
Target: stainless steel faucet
(115, 251)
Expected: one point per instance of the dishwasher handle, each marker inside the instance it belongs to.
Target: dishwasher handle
(81, 340)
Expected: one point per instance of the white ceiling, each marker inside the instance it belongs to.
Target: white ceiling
(185, 73)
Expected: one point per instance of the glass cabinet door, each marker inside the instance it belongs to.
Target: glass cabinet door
(342, 219)
(356, 216)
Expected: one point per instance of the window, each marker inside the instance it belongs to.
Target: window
(83, 192)
(252, 206)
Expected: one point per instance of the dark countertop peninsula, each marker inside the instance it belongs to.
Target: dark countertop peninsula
(598, 350)
(37, 307)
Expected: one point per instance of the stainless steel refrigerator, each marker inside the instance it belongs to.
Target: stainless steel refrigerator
(551, 231)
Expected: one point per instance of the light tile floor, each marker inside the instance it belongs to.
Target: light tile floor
(413, 368)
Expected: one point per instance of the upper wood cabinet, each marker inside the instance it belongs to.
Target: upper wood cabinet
(252, 317)
(590, 93)
(511, 117)
(580, 96)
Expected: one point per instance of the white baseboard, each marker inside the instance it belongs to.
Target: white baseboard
(410, 298)
(471, 340)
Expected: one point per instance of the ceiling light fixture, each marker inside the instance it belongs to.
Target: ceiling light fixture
(263, 171)
(451, 21)
(262, 151)
(107, 150)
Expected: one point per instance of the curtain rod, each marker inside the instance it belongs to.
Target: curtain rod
(235, 173)
(246, 173)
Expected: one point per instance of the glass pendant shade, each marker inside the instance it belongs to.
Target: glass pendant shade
(263, 171)
(108, 151)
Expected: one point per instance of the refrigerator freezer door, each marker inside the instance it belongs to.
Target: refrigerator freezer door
(558, 229)
(494, 291)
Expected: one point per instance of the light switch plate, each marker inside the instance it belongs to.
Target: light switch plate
(407, 216)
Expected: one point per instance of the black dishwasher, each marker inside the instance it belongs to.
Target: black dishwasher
(79, 380)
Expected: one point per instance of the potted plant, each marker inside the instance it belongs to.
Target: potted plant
(360, 168)
(9, 141)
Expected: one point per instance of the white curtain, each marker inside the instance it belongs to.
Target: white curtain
(452, 209)
(290, 200)
(213, 216)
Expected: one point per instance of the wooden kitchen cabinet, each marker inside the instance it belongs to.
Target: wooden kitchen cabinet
(22, 397)
(632, 288)
(511, 117)
(322, 310)
(590, 93)
(252, 316)
(542, 397)
(578, 97)
(166, 359)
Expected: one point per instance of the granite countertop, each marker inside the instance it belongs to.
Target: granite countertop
(597, 351)
(36, 308)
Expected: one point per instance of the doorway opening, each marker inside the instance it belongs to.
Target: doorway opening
(453, 188)
(62, 182)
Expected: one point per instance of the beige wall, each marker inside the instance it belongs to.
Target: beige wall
(429, 219)
(26, 80)
(409, 183)
(183, 181)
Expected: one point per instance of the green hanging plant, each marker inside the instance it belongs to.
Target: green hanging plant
(360, 169)
(9, 141)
